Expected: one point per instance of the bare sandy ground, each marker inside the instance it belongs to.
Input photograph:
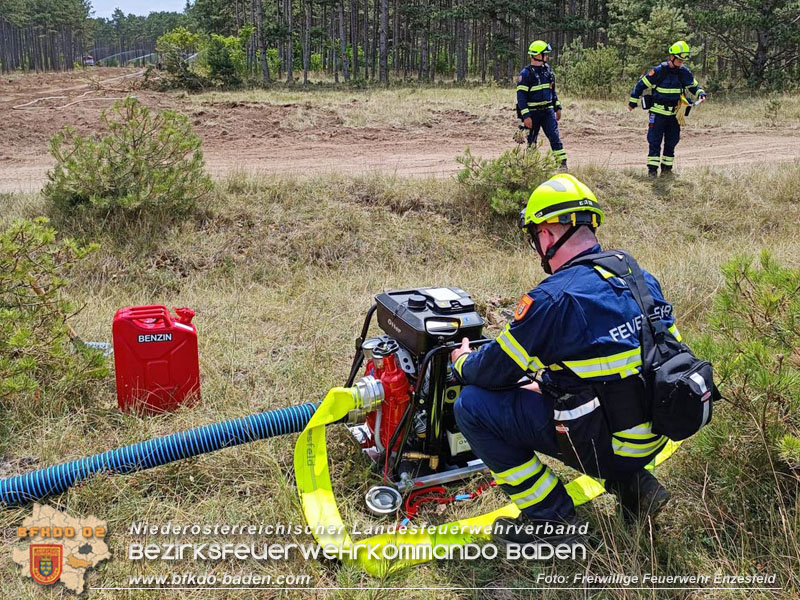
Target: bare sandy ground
(253, 137)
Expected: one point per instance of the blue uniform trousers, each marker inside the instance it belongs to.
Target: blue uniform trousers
(506, 429)
(546, 120)
(662, 128)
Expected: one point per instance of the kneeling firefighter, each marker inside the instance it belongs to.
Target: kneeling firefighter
(578, 335)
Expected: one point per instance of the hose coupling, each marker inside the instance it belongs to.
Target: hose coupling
(368, 394)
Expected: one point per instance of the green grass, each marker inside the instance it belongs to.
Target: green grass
(281, 273)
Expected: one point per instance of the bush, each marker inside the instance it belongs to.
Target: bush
(746, 463)
(653, 36)
(506, 182)
(225, 57)
(176, 48)
(756, 320)
(220, 61)
(593, 72)
(146, 161)
(273, 61)
(34, 340)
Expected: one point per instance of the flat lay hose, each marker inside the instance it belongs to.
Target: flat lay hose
(57, 479)
(321, 511)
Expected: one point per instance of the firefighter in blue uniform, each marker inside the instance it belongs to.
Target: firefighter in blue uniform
(668, 82)
(578, 332)
(537, 101)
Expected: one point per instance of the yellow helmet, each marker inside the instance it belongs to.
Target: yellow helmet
(680, 49)
(562, 199)
(539, 47)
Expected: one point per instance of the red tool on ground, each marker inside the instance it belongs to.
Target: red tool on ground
(155, 358)
(438, 495)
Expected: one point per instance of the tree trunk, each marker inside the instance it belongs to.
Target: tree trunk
(290, 50)
(307, 42)
(396, 39)
(367, 48)
(461, 51)
(262, 46)
(383, 49)
(334, 63)
(375, 28)
(343, 42)
(423, 45)
(354, 35)
(759, 61)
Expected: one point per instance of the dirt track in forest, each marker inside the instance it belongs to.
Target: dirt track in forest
(273, 138)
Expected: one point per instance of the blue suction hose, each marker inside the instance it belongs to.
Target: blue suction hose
(156, 452)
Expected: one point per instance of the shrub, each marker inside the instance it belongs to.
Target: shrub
(225, 57)
(273, 60)
(746, 463)
(147, 160)
(654, 35)
(506, 182)
(34, 340)
(756, 319)
(592, 72)
(176, 48)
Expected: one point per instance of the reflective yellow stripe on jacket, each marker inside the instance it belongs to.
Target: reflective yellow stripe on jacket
(660, 109)
(517, 353)
(622, 364)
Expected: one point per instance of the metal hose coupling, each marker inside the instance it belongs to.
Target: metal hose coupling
(368, 394)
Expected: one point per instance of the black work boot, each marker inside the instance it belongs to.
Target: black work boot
(652, 172)
(666, 171)
(524, 530)
(640, 496)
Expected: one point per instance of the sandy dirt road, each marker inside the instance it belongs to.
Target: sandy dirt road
(265, 138)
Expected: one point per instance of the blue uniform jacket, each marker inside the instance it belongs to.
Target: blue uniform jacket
(580, 322)
(668, 84)
(536, 90)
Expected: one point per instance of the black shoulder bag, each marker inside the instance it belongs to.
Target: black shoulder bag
(679, 387)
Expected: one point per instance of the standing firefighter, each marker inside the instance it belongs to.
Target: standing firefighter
(668, 82)
(537, 102)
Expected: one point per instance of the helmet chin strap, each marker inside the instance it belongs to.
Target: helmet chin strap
(551, 251)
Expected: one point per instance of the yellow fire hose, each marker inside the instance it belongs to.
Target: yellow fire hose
(322, 514)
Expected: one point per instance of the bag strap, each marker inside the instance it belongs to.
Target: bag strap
(624, 266)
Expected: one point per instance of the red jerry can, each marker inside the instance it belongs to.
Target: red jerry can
(155, 358)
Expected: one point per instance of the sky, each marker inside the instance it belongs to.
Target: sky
(104, 8)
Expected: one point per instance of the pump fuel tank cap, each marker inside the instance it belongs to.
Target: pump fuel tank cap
(383, 500)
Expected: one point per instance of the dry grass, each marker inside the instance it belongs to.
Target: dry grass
(408, 107)
(281, 273)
